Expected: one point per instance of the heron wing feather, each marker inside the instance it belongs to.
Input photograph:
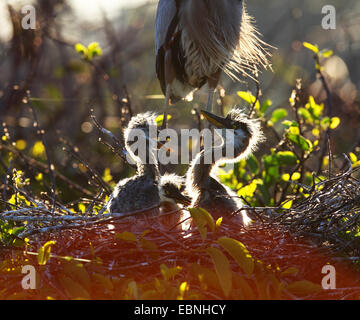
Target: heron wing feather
(166, 12)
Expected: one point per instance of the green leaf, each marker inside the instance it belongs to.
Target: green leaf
(239, 252)
(44, 253)
(303, 112)
(266, 105)
(300, 141)
(285, 158)
(311, 47)
(325, 123)
(315, 109)
(288, 124)
(278, 115)
(222, 268)
(253, 164)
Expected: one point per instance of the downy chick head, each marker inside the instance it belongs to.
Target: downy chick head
(140, 138)
(172, 190)
(239, 130)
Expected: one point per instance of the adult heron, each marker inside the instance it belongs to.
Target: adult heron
(195, 40)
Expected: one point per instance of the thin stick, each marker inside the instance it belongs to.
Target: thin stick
(51, 167)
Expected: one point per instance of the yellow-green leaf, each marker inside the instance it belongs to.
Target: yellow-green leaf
(249, 98)
(39, 176)
(311, 47)
(21, 144)
(353, 157)
(133, 290)
(103, 281)
(239, 252)
(296, 176)
(287, 204)
(80, 48)
(73, 289)
(303, 287)
(290, 271)
(169, 273)
(202, 218)
(222, 268)
(82, 207)
(335, 121)
(44, 253)
(94, 50)
(160, 119)
(77, 272)
(38, 150)
(327, 53)
(126, 236)
(148, 245)
(218, 222)
(285, 177)
(278, 115)
(182, 289)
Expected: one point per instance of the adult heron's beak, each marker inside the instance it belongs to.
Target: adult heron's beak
(217, 121)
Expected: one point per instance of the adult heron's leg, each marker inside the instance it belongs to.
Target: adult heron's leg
(167, 103)
(210, 99)
(169, 78)
(212, 84)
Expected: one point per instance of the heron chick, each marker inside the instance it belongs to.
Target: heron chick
(208, 193)
(196, 40)
(147, 189)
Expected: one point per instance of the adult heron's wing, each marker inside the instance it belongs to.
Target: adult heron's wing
(166, 12)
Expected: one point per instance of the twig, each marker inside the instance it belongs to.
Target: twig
(39, 165)
(41, 133)
(119, 145)
(74, 151)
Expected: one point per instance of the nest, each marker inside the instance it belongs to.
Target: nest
(330, 215)
(302, 239)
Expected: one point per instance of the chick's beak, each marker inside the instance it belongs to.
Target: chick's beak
(180, 198)
(217, 121)
(159, 144)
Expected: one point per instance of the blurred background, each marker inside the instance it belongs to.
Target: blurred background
(122, 81)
